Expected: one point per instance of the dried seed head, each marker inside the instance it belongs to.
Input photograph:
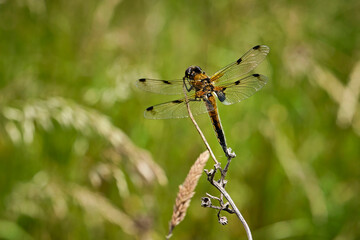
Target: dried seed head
(223, 220)
(205, 202)
(186, 190)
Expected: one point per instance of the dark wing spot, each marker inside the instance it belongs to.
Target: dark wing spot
(239, 61)
(237, 82)
(177, 101)
(256, 75)
(256, 47)
(150, 108)
(167, 82)
(142, 80)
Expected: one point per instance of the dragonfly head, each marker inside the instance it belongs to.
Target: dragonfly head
(192, 71)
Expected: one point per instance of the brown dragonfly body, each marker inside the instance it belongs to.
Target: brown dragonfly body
(228, 84)
(205, 91)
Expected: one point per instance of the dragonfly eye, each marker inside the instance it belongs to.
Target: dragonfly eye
(188, 72)
(197, 69)
(192, 71)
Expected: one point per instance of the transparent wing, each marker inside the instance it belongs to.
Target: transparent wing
(242, 66)
(175, 109)
(241, 89)
(160, 86)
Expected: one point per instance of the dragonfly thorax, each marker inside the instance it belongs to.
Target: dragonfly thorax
(208, 88)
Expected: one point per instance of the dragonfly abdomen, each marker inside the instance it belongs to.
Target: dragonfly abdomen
(215, 120)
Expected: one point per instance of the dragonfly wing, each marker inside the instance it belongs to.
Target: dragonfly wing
(171, 87)
(241, 89)
(243, 65)
(175, 109)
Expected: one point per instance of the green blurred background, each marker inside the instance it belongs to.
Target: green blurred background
(79, 161)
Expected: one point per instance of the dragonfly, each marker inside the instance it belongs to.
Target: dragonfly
(229, 85)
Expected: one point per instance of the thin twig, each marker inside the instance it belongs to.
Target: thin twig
(213, 197)
(236, 210)
(222, 182)
(224, 172)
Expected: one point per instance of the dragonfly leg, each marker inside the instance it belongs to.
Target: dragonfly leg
(186, 86)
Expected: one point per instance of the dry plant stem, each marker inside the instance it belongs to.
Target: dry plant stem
(222, 207)
(198, 128)
(232, 204)
(222, 182)
(224, 172)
